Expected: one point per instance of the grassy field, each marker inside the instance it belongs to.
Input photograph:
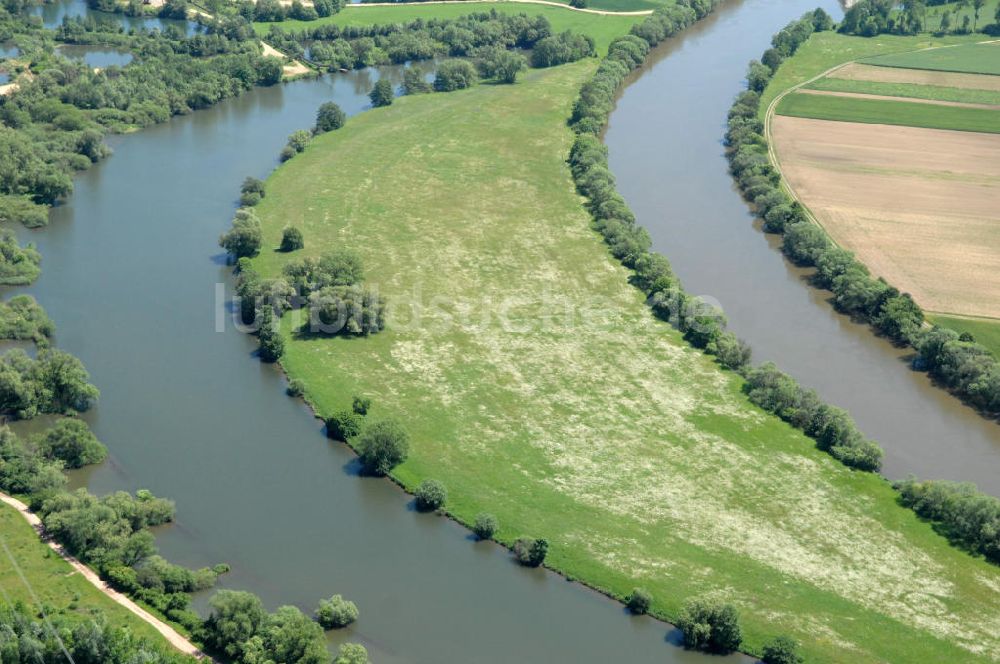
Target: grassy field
(967, 58)
(53, 582)
(536, 385)
(889, 112)
(826, 50)
(985, 331)
(602, 28)
(934, 92)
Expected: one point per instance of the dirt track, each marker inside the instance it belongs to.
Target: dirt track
(918, 206)
(168, 632)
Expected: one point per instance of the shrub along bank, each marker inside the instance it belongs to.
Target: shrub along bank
(970, 518)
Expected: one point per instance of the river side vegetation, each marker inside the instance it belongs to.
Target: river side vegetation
(964, 367)
(617, 434)
(602, 28)
(965, 515)
(54, 124)
(484, 35)
(78, 617)
(23, 319)
(18, 265)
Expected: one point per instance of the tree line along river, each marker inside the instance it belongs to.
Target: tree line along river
(130, 268)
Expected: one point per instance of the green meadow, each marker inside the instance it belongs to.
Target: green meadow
(966, 58)
(910, 90)
(536, 385)
(889, 112)
(825, 50)
(603, 28)
(984, 330)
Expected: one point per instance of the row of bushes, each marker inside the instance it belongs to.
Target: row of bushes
(268, 11)
(703, 326)
(868, 18)
(334, 47)
(963, 366)
(960, 512)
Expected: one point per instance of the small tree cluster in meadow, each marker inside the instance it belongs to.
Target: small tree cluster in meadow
(336, 612)
(500, 64)
(562, 48)
(346, 424)
(291, 239)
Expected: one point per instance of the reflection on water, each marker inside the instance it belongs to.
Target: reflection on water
(96, 56)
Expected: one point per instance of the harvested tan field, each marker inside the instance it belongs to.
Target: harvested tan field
(918, 206)
(859, 72)
(912, 100)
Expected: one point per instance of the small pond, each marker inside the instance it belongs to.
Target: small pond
(99, 57)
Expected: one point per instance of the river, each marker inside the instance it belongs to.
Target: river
(666, 152)
(130, 268)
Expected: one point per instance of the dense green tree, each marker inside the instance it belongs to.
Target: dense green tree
(272, 344)
(500, 64)
(235, 617)
(351, 653)
(343, 425)
(72, 442)
(431, 495)
(244, 238)
(454, 75)
(269, 71)
(291, 239)
(639, 601)
(530, 551)
(329, 117)
(414, 82)
(485, 526)
(782, 650)
(336, 612)
(382, 446)
(710, 626)
(382, 94)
